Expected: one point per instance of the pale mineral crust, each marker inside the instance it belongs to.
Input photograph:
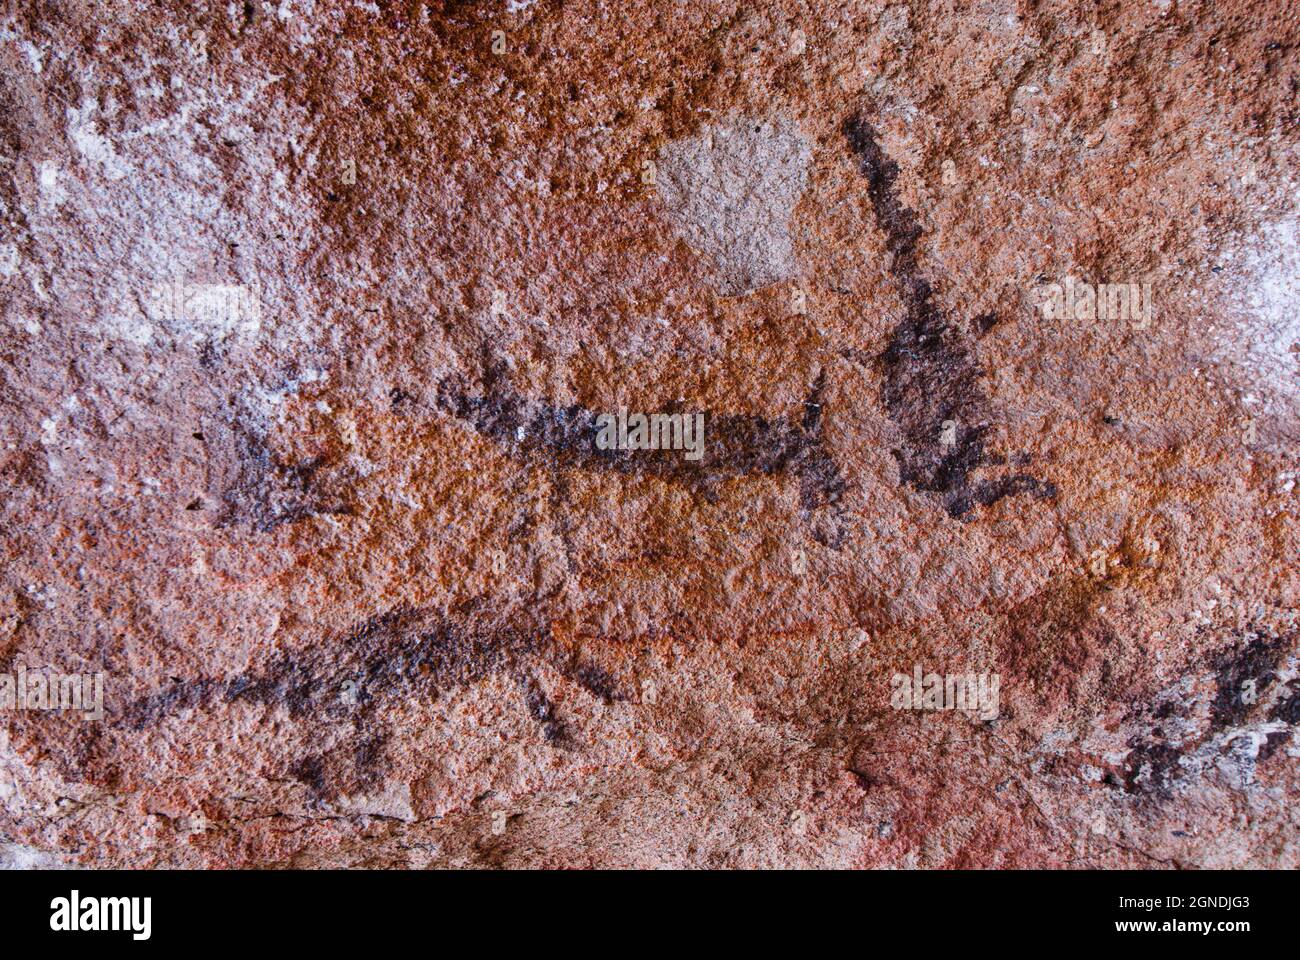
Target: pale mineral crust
(308, 309)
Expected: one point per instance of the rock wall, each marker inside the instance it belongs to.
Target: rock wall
(309, 315)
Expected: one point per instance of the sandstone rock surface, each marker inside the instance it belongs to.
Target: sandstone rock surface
(307, 310)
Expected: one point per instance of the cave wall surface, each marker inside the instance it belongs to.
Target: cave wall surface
(309, 314)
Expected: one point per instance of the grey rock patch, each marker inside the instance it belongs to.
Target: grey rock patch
(16, 856)
(730, 191)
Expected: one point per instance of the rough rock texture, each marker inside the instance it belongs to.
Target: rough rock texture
(731, 190)
(307, 310)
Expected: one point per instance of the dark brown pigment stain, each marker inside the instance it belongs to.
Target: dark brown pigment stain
(259, 492)
(401, 653)
(930, 371)
(734, 445)
(1255, 662)
(541, 709)
(1153, 765)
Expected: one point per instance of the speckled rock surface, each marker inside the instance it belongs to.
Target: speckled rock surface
(308, 310)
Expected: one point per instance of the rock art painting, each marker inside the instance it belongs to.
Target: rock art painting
(691, 435)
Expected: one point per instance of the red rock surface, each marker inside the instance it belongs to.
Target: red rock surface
(364, 593)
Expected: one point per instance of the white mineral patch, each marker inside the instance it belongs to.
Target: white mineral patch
(142, 195)
(92, 145)
(394, 800)
(34, 55)
(52, 192)
(1263, 334)
(730, 191)
(16, 856)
